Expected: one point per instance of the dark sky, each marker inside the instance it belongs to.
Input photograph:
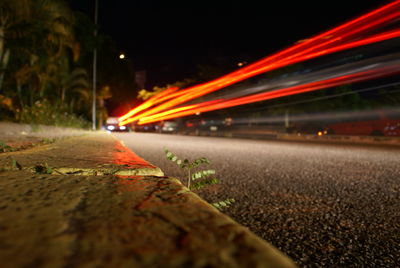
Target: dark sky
(169, 38)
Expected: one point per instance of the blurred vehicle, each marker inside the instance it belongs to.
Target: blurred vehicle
(194, 123)
(306, 128)
(209, 125)
(146, 128)
(383, 127)
(192, 126)
(377, 123)
(168, 127)
(112, 125)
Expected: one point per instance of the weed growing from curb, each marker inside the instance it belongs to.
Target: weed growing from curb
(199, 179)
(42, 169)
(47, 140)
(5, 148)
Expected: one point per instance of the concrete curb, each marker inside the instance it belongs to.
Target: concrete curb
(97, 218)
(92, 154)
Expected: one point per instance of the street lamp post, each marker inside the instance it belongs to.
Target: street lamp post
(96, 11)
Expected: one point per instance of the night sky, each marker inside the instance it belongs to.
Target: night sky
(169, 39)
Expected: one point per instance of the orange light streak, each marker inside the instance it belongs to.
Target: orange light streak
(148, 103)
(334, 40)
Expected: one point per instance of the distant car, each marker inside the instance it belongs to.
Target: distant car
(192, 126)
(146, 128)
(168, 127)
(112, 125)
(307, 129)
(209, 125)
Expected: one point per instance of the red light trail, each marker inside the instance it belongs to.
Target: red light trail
(220, 104)
(349, 35)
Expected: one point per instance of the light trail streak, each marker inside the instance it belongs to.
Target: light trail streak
(352, 78)
(325, 117)
(206, 90)
(338, 95)
(150, 102)
(313, 76)
(380, 37)
(305, 79)
(334, 40)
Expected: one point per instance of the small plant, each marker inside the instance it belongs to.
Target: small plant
(4, 147)
(199, 179)
(47, 140)
(42, 169)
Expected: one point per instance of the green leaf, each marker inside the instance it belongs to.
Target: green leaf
(206, 182)
(224, 203)
(49, 170)
(204, 160)
(201, 161)
(202, 174)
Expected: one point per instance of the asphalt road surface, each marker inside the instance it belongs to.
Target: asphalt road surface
(324, 205)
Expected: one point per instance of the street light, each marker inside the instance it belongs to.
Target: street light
(96, 11)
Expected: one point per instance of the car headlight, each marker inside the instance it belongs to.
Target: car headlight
(122, 127)
(110, 127)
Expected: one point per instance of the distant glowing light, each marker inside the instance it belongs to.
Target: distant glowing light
(122, 56)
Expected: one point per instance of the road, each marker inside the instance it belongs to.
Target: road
(324, 205)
